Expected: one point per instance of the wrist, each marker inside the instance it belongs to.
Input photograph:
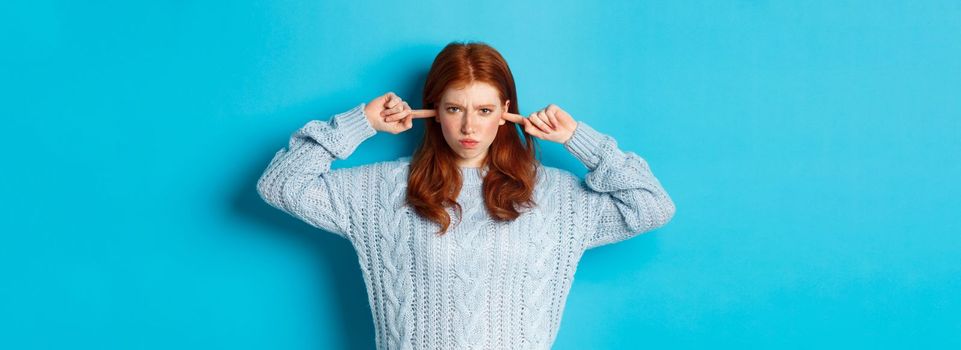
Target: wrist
(568, 139)
(569, 136)
(368, 115)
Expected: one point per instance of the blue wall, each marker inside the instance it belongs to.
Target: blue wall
(812, 149)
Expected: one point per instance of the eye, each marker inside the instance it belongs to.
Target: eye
(449, 109)
(487, 109)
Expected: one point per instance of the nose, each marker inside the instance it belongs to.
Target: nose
(467, 125)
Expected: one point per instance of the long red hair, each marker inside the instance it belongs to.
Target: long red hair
(435, 180)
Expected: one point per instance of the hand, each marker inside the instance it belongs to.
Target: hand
(390, 113)
(551, 123)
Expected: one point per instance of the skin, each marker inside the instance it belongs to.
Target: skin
(474, 112)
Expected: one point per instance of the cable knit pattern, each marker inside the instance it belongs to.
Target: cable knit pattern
(485, 284)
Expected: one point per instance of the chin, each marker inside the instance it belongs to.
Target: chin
(467, 153)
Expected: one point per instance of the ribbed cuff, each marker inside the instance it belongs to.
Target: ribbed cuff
(342, 133)
(352, 127)
(585, 144)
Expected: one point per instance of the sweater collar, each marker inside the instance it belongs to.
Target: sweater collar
(473, 176)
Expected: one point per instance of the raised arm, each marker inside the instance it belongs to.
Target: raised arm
(624, 198)
(299, 180)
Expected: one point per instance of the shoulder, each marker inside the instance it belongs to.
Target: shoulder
(400, 161)
(551, 178)
(395, 170)
(401, 164)
(379, 170)
(380, 181)
(556, 173)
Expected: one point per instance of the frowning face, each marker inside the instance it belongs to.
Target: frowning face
(469, 117)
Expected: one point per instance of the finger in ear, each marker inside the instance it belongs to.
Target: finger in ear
(530, 128)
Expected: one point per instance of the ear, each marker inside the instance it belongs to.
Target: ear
(506, 105)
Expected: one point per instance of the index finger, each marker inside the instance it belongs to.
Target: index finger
(514, 118)
(423, 113)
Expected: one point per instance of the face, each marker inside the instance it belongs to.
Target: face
(473, 113)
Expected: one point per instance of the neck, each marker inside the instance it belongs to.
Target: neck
(475, 162)
(473, 176)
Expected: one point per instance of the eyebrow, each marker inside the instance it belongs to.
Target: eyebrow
(454, 104)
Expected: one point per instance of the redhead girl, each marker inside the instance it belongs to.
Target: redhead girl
(469, 242)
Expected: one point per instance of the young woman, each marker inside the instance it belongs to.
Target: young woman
(470, 242)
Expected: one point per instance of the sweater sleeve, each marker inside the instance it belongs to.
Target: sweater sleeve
(299, 180)
(623, 197)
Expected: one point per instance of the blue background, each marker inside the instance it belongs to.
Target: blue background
(812, 150)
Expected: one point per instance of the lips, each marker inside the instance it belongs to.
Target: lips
(468, 143)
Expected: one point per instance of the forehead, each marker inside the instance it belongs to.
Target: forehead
(475, 93)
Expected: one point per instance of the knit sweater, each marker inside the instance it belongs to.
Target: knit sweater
(485, 284)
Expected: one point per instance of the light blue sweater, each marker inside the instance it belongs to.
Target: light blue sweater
(484, 284)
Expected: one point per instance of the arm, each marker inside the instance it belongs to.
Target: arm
(299, 180)
(624, 199)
